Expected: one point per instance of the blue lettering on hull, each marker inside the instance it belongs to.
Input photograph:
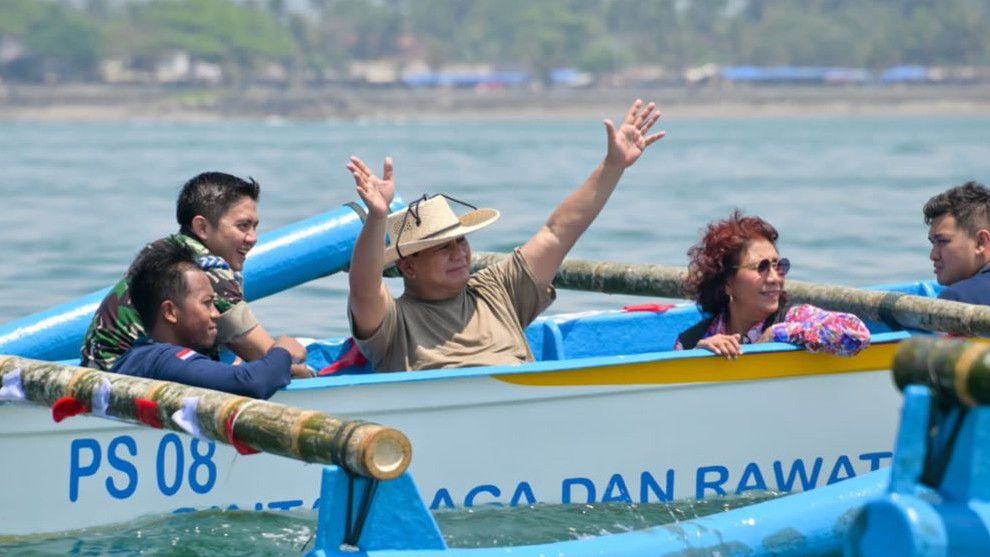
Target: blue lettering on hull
(191, 465)
(713, 480)
(121, 475)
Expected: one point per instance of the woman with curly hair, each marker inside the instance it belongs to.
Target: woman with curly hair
(737, 276)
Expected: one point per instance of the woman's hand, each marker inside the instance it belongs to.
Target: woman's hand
(727, 346)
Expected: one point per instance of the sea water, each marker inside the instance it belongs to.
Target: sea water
(79, 200)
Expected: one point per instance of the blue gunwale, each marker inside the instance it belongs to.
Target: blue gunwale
(545, 366)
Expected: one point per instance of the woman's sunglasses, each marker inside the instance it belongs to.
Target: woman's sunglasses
(763, 267)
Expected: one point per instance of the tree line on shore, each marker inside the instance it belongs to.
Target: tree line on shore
(51, 40)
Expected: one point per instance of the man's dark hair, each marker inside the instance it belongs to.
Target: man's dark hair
(158, 274)
(969, 204)
(211, 194)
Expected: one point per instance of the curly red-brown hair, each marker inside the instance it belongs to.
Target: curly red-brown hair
(715, 257)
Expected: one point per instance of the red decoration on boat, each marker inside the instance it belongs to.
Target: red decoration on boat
(655, 308)
(352, 357)
(66, 407)
(147, 412)
(241, 447)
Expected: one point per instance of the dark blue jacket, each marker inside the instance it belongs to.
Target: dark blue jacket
(168, 362)
(974, 290)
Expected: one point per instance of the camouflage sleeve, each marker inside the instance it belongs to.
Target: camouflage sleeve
(115, 327)
(227, 288)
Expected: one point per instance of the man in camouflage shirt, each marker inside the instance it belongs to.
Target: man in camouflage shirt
(218, 219)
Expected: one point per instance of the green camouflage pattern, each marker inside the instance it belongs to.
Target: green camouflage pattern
(116, 324)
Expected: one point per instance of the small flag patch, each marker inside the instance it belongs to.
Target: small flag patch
(184, 354)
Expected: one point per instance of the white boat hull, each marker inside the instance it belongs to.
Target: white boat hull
(632, 428)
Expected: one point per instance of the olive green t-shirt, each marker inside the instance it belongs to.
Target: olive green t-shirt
(483, 325)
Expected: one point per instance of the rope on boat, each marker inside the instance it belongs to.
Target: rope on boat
(362, 448)
(895, 309)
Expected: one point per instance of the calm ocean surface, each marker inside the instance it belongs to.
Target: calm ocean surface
(79, 200)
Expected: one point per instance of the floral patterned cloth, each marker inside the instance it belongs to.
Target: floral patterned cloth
(817, 330)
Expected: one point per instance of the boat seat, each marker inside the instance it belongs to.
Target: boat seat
(635, 330)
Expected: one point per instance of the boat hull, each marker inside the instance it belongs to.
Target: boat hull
(634, 429)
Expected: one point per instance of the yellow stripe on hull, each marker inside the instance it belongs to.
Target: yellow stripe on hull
(769, 365)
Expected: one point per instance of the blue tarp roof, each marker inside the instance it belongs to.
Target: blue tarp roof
(465, 79)
(900, 74)
(817, 74)
(778, 73)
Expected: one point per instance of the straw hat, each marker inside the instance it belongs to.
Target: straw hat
(428, 222)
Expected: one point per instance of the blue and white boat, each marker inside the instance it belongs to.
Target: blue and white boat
(607, 413)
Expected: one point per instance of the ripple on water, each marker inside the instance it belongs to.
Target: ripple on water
(249, 533)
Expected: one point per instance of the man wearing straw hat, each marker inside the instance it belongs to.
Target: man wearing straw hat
(959, 231)
(448, 317)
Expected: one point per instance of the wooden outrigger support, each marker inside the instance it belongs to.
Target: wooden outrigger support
(953, 368)
(894, 308)
(251, 425)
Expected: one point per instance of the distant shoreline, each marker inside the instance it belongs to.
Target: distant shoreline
(106, 103)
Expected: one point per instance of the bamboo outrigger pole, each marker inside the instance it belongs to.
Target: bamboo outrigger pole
(894, 308)
(363, 448)
(952, 367)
